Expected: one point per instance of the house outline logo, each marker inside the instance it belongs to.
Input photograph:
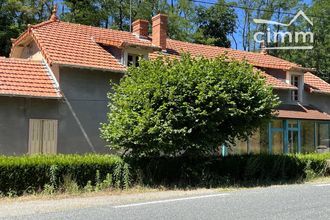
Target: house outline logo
(293, 36)
(300, 13)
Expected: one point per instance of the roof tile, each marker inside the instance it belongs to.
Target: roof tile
(22, 77)
(78, 45)
(316, 84)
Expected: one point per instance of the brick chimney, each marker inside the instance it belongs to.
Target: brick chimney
(159, 31)
(140, 28)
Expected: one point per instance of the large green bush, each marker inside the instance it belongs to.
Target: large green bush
(32, 173)
(191, 105)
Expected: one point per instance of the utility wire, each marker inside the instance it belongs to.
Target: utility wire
(252, 9)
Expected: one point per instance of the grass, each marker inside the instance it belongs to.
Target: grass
(323, 179)
(66, 194)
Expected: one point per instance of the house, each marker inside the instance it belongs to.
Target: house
(53, 88)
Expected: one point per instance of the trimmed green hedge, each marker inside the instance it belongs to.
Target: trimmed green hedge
(240, 169)
(32, 173)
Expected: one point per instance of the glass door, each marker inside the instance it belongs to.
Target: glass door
(277, 142)
(284, 136)
(292, 142)
(276, 137)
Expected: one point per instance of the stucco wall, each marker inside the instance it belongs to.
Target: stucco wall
(321, 101)
(86, 91)
(14, 121)
(284, 95)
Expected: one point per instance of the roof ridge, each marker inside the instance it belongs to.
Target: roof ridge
(204, 45)
(102, 28)
(232, 50)
(44, 23)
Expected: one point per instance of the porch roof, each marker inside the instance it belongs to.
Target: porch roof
(301, 112)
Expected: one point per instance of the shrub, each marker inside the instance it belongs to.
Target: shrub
(71, 172)
(190, 105)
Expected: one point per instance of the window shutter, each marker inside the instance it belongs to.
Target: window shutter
(35, 136)
(43, 136)
(49, 138)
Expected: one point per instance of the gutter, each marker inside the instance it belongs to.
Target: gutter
(303, 69)
(90, 67)
(281, 88)
(29, 96)
(319, 92)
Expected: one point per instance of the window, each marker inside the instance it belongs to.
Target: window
(295, 93)
(133, 60)
(42, 136)
(323, 135)
(307, 136)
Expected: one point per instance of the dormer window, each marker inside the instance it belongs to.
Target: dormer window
(133, 60)
(295, 82)
(132, 57)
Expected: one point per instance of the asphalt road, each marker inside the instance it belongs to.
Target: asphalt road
(308, 201)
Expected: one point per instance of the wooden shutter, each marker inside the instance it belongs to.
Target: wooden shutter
(49, 138)
(35, 136)
(42, 136)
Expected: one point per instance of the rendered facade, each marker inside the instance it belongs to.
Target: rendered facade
(53, 88)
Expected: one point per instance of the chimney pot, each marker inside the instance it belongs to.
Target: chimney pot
(159, 31)
(263, 49)
(140, 28)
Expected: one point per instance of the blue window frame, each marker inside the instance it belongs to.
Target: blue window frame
(289, 135)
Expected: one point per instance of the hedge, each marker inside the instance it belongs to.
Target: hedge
(27, 174)
(32, 173)
(235, 169)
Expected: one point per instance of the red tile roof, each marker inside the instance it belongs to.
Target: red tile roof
(22, 77)
(175, 48)
(78, 45)
(301, 112)
(277, 83)
(316, 84)
(75, 44)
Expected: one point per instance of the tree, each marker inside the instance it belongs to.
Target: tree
(186, 106)
(83, 12)
(215, 24)
(15, 15)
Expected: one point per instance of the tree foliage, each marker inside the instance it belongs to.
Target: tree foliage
(188, 106)
(215, 24)
(15, 15)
